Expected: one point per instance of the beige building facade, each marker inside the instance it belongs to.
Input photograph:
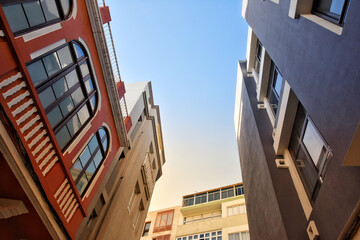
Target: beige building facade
(216, 214)
(124, 219)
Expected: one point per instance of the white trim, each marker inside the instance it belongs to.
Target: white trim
(299, 187)
(74, 10)
(2, 34)
(47, 49)
(269, 112)
(324, 23)
(88, 191)
(41, 32)
(78, 138)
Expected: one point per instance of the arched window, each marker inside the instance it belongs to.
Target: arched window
(89, 161)
(64, 82)
(24, 16)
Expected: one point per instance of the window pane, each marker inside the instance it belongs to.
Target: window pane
(98, 158)
(77, 96)
(163, 220)
(34, 13)
(63, 137)
(170, 218)
(85, 156)
(78, 50)
(73, 125)
(72, 78)
(105, 142)
(333, 6)
(307, 171)
(313, 142)
(102, 133)
(64, 56)
(65, 5)
(50, 9)
(245, 236)
(277, 82)
(66, 106)
(75, 170)
(82, 184)
(37, 72)
(60, 87)
(93, 144)
(51, 64)
(16, 17)
(84, 69)
(54, 117)
(231, 193)
(89, 86)
(90, 170)
(47, 97)
(83, 114)
(92, 103)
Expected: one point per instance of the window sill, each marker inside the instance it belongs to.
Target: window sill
(324, 23)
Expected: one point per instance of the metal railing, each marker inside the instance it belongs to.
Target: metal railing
(213, 195)
(113, 58)
(201, 219)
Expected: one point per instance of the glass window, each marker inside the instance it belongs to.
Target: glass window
(50, 9)
(37, 72)
(47, 97)
(65, 56)
(274, 89)
(87, 163)
(258, 57)
(28, 15)
(16, 17)
(64, 92)
(34, 13)
(146, 229)
(60, 87)
(333, 10)
(309, 152)
(314, 143)
(164, 221)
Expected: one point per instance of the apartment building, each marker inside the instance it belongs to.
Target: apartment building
(296, 125)
(68, 151)
(216, 214)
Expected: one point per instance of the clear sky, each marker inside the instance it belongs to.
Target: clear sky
(189, 50)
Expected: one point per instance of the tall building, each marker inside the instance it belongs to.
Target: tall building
(216, 214)
(296, 124)
(71, 151)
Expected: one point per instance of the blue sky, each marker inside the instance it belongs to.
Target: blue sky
(189, 50)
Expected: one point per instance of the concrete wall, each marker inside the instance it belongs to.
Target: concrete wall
(274, 211)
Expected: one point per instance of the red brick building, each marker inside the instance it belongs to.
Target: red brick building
(64, 123)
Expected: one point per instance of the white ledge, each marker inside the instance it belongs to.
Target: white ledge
(324, 23)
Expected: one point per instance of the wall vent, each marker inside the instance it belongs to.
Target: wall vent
(261, 106)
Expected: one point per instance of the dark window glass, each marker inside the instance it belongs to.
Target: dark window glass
(274, 89)
(309, 152)
(258, 57)
(61, 92)
(50, 9)
(37, 72)
(86, 165)
(16, 17)
(333, 10)
(25, 16)
(34, 13)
